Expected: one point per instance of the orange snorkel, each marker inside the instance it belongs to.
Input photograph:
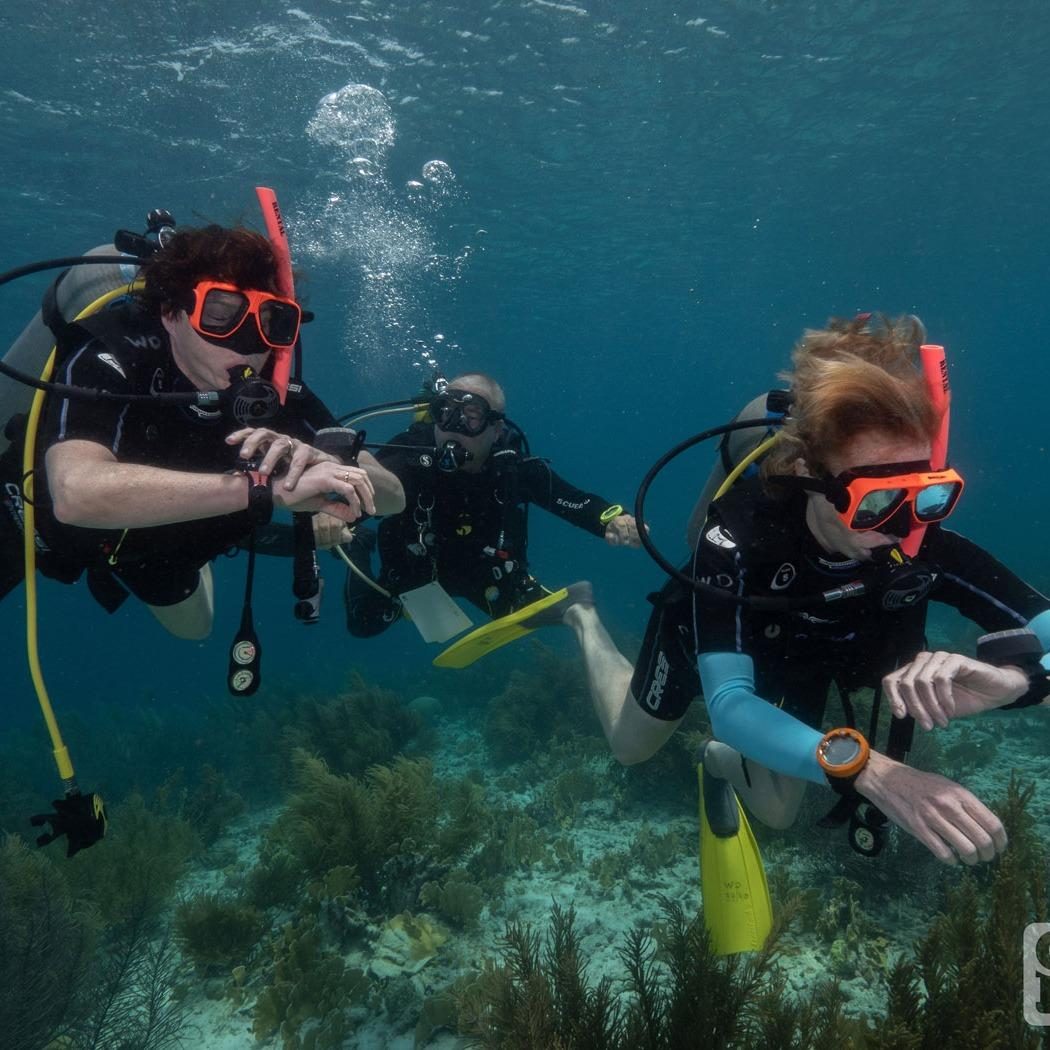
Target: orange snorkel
(282, 359)
(935, 372)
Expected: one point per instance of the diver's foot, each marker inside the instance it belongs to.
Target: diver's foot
(580, 594)
(720, 804)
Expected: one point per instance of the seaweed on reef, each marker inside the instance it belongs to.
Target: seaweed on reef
(137, 865)
(962, 989)
(672, 992)
(71, 981)
(466, 817)
(677, 993)
(334, 820)
(45, 942)
(205, 801)
(649, 853)
(537, 708)
(564, 795)
(364, 726)
(275, 878)
(972, 747)
(217, 932)
(518, 845)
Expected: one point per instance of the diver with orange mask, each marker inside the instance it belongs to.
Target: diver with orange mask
(818, 571)
(167, 428)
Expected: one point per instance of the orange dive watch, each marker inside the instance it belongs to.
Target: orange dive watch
(843, 754)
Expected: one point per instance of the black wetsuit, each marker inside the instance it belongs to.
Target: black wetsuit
(467, 531)
(125, 350)
(753, 545)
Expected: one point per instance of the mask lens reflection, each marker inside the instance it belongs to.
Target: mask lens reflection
(936, 501)
(279, 322)
(876, 507)
(222, 311)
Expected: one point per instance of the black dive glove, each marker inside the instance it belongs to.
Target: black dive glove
(81, 818)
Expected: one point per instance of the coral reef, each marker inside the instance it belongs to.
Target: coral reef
(455, 898)
(309, 992)
(45, 941)
(960, 989)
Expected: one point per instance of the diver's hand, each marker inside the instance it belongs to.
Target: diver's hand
(343, 492)
(273, 448)
(330, 532)
(951, 822)
(622, 531)
(936, 687)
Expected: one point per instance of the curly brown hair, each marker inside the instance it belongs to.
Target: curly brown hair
(850, 377)
(238, 255)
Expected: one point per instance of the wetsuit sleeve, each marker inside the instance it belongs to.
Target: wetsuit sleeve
(739, 716)
(545, 488)
(69, 419)
(980, 587)
(751, 725)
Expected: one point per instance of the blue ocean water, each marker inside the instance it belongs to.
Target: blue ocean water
(625, 212)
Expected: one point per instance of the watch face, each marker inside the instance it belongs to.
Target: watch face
(841, 751)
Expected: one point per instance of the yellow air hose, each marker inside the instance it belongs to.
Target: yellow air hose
(59, 749)
(756, 453)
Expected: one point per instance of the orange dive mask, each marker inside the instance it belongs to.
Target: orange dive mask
(221, 310)
(868, 497)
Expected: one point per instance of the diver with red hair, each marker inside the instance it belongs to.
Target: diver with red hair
(798, 587)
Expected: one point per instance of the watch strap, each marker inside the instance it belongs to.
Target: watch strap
(260, 497)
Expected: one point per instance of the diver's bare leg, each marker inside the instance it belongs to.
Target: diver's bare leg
(191, 618)
(772, 797)
(632, 734)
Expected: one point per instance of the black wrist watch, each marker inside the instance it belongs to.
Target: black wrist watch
(1017, 648)
(260, 497)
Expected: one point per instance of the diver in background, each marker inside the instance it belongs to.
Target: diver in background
(848, 479)
(467, 489)
(143, 495)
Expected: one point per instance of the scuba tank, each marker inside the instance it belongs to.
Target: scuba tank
(734, 446)
(77, 288)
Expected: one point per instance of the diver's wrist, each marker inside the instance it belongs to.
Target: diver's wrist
(1018, 683)
(869, 779)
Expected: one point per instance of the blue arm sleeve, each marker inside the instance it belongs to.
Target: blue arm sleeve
(1041, 626)
(753, 726)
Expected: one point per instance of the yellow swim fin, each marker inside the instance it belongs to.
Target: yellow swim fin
(737, 908)
(495, 634)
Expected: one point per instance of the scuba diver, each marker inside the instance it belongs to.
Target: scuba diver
(141, 494)
(147, 458)
(816, 572)
(468, 480)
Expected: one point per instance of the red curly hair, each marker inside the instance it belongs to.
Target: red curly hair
(239, 256)
(850, 377)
